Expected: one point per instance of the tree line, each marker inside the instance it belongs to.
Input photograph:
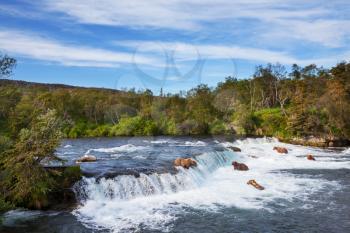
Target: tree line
(306, 101)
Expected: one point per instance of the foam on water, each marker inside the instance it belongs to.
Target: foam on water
(162, 141)
(128, 148)
(118, 156)
(198, 143)
(126, 202)
(347, 151)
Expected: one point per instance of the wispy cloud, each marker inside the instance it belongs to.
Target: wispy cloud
(273, 31)
(313, 21)
(14, 11)
(183, 52)
(41, 48)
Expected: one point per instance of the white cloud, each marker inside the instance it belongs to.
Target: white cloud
(330, 33)
(19, 12)
(178, 14)
(190, 52)
(41, 48)
(315, 21)
(149, 53)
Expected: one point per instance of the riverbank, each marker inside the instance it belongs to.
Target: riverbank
(317, 141)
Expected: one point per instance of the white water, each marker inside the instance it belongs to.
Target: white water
(154, 200)
(128, 148)
(347, 151)
(197, 143)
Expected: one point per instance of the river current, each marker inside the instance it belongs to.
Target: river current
(133, 187)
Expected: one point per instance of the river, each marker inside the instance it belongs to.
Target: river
(133, 187)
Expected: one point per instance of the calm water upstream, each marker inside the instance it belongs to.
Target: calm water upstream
(133, 187)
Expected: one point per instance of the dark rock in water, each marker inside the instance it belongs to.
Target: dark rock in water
(255, 185)
(281, 150)
(235, 149)
(87, 158)
(185, 163)
(239, 166)
(310, 157)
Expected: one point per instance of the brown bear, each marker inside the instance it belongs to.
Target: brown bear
(281, 150)
(255, 185)
(239, 166)
(185, 163)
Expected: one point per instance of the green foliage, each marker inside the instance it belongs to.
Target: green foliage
(68, 177)
(77, 130)
(5, 144)
(171, 128)
(217, 127)
(99, 131)
(24, 181)
(6, 65)
(243, 121)
(134, 126)
(271, 122)
(5, 206)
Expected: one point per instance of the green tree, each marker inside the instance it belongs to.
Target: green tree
(6, 65)
(24, 181)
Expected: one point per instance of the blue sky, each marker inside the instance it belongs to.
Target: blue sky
(173, 44)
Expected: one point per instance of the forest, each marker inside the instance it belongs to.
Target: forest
(306, 101)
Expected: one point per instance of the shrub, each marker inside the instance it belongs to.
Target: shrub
(243, 122)
(5, 143)
(99, 131)
(134, 126)
(271, 122)
(5, 206)
(78, 130)
(217, 127)
(171, 128)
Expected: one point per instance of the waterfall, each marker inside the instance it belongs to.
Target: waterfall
(126, 187)
(126, 203)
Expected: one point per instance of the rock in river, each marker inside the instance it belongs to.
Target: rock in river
(87, 158)
(235, 149)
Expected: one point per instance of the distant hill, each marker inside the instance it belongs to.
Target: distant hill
(49, 86)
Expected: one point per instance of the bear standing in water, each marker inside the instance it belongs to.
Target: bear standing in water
(239, 166)
(185, 163)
